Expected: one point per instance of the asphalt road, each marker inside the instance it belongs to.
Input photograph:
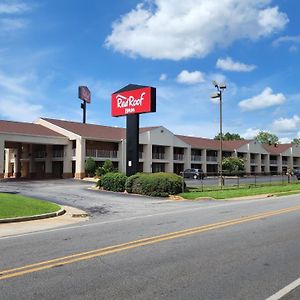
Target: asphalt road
(149, 248)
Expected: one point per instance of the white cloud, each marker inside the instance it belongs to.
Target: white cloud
(172, 29)
(9, 16)
(286, 124)
(187, 77)
(250, 133)
(16, 97)
(286, 39)
(263, 100)
(163, 77)
(8, 7)
(227, 64)
(285, 140)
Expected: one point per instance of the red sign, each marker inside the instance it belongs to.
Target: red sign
(133, 101)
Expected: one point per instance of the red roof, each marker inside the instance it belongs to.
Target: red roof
(12, 127)
(94, 131)
(277, 149)
(203, 143)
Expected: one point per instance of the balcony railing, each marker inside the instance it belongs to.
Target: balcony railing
(212, 158)
(58, 153)
(178, 156)
(40, 154)
(98, 153)
(273, 162)
(141, 154)
(158, 155)
(252, 161)
(196, 157)
(284, 162)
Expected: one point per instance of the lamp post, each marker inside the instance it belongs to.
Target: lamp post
(220, 88)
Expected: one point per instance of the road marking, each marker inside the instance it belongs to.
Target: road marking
(194, 208)
(19, 271)
(285, 290)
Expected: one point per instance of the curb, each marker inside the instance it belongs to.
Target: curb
(36, 217)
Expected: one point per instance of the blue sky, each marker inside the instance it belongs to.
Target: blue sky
(49, 47)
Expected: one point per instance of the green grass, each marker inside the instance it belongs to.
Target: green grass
(12, 205)
(242, 192)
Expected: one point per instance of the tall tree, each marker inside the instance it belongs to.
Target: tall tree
(265, 137)
(228, 137)
(296, 141)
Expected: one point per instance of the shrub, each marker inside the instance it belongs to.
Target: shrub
(90, 167)
(113, 181)
(156, 184)
(106, 168)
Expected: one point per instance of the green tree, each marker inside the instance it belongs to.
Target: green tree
(228, 137)
(107, 167)
(265, 137)
(90, 166)
(296, 141)
(233, 165)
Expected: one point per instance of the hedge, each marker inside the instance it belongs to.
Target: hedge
(156, 184)
(113, 181)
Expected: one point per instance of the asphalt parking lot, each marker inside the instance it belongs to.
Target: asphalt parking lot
(98, 204)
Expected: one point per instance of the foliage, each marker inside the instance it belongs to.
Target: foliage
(90, 166)
(265, 137)
(156, 184)
(228, 137)
(233, 165)
(296, 141)
(113, 181)
(106, 168)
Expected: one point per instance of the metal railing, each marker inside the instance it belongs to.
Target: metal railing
(211, 181)
(178, 156)
(58, 153)
(99, 153)
(212, 158)
(195, 157)
(158, 155)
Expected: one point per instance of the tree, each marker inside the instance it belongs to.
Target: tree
(229, 137)
(265, 137)
(90, 166)
(233, 165)
(296, 141)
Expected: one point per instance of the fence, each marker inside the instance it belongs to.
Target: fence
(211, 182)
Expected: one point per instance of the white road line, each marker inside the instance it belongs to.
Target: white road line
(177, 211)
(285, 290)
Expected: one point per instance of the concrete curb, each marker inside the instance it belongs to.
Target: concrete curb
(36, 217)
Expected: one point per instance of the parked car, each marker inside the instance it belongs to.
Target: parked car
(193, 173)
(296, 172)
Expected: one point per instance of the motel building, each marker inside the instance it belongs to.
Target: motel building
(50, 148)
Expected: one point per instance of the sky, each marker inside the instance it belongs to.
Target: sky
(50, 47)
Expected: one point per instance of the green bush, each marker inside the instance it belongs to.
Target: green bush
(106, 168)
(90, 166)
(113, 181)
(156, 184)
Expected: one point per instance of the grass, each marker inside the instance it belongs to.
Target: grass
(12, 206)
(242, 192)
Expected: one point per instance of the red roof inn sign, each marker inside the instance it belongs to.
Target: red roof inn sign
(133, 99)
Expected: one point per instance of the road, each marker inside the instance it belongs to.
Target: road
(149, 248)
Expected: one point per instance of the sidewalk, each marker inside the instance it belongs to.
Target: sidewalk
(72, 216)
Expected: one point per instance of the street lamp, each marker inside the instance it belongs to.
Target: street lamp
(220, 88)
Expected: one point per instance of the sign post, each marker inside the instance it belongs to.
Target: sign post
(85, 95)
(131, 101)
